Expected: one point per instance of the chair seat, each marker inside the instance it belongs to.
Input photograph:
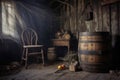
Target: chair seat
(32, 46)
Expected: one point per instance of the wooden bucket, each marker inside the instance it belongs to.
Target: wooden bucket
(93, 49)
(51, 54)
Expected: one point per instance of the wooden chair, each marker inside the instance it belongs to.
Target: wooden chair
(29, 39)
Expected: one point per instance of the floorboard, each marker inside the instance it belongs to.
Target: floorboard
(38, 72)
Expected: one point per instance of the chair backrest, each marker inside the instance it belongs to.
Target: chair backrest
(29, 37)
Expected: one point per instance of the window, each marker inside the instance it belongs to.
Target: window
(8, 19)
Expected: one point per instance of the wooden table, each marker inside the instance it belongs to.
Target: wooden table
(61, 42)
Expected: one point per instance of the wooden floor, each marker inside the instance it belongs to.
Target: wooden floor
(38, 72)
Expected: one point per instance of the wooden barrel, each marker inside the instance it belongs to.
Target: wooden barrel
(93, 49)
(51, 54)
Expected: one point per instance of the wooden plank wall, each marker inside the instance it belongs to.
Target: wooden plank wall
(105, 18)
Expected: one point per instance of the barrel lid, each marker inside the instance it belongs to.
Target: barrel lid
(93, 33)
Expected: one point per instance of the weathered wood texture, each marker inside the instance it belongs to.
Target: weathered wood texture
(105, 18)
(104, 2)
(36, 72)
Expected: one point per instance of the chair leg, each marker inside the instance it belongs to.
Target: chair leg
(26, 58)
(26, 64)
(43, 60)
(43, 57)
(23, 56)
